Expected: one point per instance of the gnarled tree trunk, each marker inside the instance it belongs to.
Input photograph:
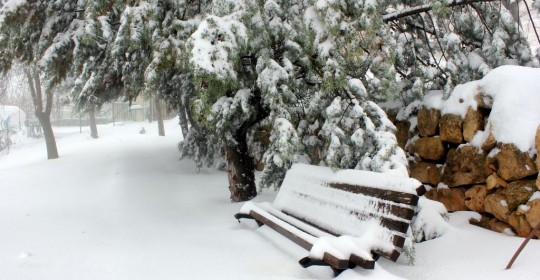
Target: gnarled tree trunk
(240, 166)
(240, 170)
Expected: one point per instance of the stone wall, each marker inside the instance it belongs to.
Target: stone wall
(496, 180)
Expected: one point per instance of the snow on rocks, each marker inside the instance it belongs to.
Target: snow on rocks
(487, 128)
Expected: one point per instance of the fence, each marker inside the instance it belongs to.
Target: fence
(109, 113)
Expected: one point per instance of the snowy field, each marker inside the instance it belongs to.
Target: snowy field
(124, 207)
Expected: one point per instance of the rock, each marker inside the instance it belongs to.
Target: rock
(474, 198)
(533, 214)
(391, 113)
(402, 133)
(451, 129)
(452, 199)
(496, 205)
(483, 100)
(493, 181)
(430, 148)
(465, 166)
(474, 121)
(520, 224)
(483, 222)
(428, 121)
(425, 172)
(512, 164)
(518, 192)
(489, 143)
(498, 226)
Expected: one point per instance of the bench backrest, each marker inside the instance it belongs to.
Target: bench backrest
(351, 202)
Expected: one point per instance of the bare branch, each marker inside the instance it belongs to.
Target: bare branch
(532, 21)
(424, 8)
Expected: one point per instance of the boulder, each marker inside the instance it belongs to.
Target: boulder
(533, 214)
(402, 132)
(493, 181)
(474, 198)
(451, 129)
(431, 148)
(489, 143)
(518, 192)
(425, 172)
(512, 164)
(498, 226)
(474, 121)
(452, 199)
(496, 205)
(520, 224)
(465, 166)
(428, 121)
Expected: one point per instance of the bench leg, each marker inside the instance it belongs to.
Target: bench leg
(239, 216)
(307, 262)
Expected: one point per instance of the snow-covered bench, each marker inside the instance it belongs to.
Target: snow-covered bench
(343, 219)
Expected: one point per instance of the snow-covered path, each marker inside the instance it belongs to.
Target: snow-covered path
(123, 207)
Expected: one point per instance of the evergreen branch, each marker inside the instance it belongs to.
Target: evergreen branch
(424, 8)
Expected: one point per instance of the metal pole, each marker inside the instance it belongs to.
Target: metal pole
(523, 246)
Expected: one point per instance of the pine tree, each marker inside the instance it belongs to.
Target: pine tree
(249, 71)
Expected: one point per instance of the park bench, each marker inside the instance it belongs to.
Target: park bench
(344, 219)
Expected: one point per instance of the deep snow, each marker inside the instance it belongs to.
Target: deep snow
(124, 207)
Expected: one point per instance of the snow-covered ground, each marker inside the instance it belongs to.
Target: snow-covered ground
(124, 207)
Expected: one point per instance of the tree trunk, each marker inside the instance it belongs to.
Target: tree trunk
(182, 116)
(240, 166)
(93, 126)
(42, 114)
(161, 127)
(50, 141)
(240, 169)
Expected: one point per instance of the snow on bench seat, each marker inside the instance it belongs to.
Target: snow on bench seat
(348, 215)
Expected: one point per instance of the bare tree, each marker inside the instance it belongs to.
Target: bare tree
(43, 103)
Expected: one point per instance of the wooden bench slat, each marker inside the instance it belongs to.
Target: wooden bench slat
(400, 211)
(398, 197)
(397, 240)
(293, 237)
(327, 258)
(386, 221)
